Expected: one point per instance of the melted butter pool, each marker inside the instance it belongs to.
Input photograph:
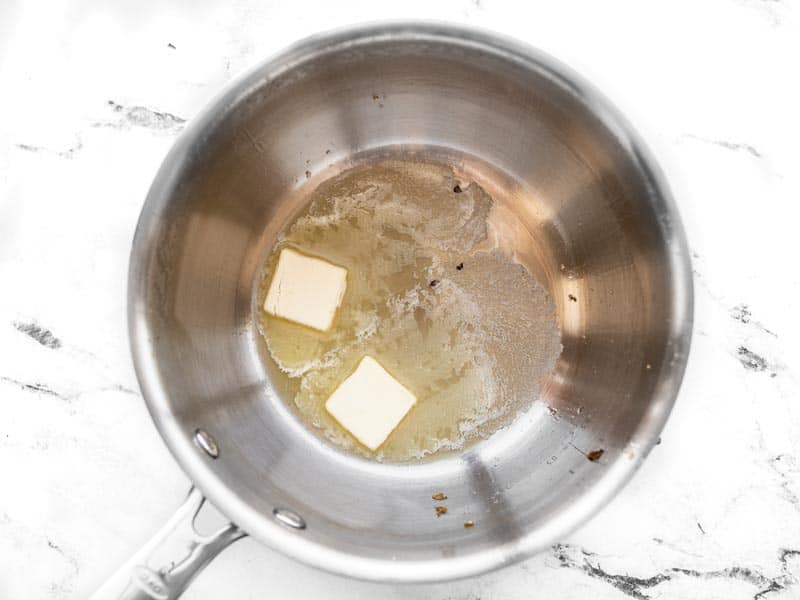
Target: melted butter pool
(469, 331)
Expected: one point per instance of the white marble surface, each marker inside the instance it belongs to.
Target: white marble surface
(93, 93)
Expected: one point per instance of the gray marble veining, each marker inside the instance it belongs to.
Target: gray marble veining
(95, 94)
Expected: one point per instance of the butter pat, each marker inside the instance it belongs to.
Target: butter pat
(370, 403)
(306, 290)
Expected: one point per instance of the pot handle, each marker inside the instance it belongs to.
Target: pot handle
(164, 567)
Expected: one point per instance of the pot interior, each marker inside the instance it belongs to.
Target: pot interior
(606, 245)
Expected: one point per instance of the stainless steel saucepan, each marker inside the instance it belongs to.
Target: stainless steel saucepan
(609, 246)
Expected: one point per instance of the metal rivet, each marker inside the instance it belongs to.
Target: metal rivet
(206, 442)
(289, 518)
(150, 581)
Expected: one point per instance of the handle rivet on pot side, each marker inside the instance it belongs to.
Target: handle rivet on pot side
(206, 442)
(289, 518)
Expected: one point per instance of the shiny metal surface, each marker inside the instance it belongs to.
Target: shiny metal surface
(609, 246)
(206, 442)
(289, 518)
(165, 566)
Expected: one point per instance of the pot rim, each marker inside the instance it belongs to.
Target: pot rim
(293, 543)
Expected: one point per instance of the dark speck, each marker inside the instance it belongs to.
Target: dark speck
(658, 442)
(42, 335)
(171, 45)
(376, 97)
(595, 455)
(34, 387)
(750, 360)
(572, 298)
(457, 189)
(308, 174)
(328, 151)
(434, 283)
(741, 313)
(700, 527)
(459, 266)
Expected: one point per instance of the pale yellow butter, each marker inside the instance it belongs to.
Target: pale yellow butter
(370, 403)
(306, 290)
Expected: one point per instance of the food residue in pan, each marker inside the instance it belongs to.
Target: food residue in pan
(471, 345)
(595, 455)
